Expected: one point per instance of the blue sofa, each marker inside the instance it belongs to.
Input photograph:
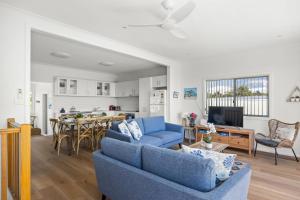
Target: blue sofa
(146, 172)
(155, 132)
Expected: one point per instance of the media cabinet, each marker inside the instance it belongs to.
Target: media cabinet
(238, 138)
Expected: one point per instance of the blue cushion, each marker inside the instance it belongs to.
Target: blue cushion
(122, 151)
(140, 123)
(184, 169)
(167, 136)
(115, 125)
(146, 139)
(154, 124)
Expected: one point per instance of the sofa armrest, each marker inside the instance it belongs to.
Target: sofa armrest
(119, 136)
(174, 127)
(236, 187)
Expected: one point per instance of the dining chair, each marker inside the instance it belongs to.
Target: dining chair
(101, 125)
(281, 135)
(54, 126)
(62, 134)
(85, 132)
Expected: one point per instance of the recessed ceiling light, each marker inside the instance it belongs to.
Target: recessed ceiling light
(106, 63)
(60, 54)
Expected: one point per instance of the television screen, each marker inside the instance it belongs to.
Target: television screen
(227, 116)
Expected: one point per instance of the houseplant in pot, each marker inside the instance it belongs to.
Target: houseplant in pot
(208, 138)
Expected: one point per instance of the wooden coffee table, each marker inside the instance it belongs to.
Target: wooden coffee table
(219, 147)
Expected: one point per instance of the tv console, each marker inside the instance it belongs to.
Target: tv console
(236, 137)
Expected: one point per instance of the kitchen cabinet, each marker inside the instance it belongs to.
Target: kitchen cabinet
(83, 87)
(66, 86)
(127, 88)
(105, 89)
(144, 96)
(159, 81)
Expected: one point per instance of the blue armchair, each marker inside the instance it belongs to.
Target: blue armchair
(155, 131)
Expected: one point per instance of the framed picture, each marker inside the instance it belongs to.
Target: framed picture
(175, 95)
(190, 93)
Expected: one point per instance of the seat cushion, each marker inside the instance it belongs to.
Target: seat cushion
(154, 124)
(122, 151)
(185, 169)
(146, 139)
(261, 139)
(167, 136)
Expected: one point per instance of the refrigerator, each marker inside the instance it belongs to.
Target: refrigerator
(158, 103)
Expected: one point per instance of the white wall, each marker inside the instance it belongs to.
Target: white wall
(15, 40)
(127, 76)
(281, 63)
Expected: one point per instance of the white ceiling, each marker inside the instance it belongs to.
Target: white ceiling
(83, 56)
(215, 27)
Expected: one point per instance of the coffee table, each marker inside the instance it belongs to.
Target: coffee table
(216, 146)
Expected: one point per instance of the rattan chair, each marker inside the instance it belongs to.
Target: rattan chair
(273, 139)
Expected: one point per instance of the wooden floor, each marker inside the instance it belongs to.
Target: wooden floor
(73, 178)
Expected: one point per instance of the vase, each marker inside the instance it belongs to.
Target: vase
(192, 122)
(209, 145)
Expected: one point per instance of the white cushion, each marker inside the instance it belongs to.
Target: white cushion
(124, 129)
(223, 161)
(134, 130)
(285, 133)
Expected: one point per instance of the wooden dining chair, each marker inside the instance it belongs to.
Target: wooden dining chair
(62, 134)
(101, 125)
(84, 132)
(54, 126)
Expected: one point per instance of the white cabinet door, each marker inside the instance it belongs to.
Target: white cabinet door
(144, 96)
(82, 88)
(72, 87)
(112, 89)
(127, 88)
(91, 88)
(159, 81)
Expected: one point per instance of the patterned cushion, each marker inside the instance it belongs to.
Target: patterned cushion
(223, 161)
(124, 129)
(134, 130)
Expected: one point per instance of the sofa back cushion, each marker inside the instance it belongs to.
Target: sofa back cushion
(115, 125)
(185, 169)
(154, 124)
(122, 151)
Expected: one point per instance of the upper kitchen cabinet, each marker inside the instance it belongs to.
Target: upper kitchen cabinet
(159, 81)
(83, 87)
(127, 89)
(105, 89)
(86, 87)
(66, 86)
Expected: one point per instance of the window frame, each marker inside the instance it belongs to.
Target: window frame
(234, 79)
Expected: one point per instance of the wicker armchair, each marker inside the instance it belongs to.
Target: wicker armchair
(275, 140)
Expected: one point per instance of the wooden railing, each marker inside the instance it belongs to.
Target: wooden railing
(16, 160)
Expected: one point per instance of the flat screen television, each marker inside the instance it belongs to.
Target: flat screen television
(226, 116)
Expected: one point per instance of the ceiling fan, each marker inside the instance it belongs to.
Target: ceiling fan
(175, 14)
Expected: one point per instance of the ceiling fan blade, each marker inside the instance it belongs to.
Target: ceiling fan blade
(182, 11)
(177, 32)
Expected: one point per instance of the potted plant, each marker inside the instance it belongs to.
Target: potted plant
(192, 118)
(208, 138)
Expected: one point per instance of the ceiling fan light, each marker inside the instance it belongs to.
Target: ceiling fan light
(106, 63)
(60, 54)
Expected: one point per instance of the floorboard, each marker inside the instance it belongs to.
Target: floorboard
(73, 178)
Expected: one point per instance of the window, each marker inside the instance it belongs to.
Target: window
(252, 93)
